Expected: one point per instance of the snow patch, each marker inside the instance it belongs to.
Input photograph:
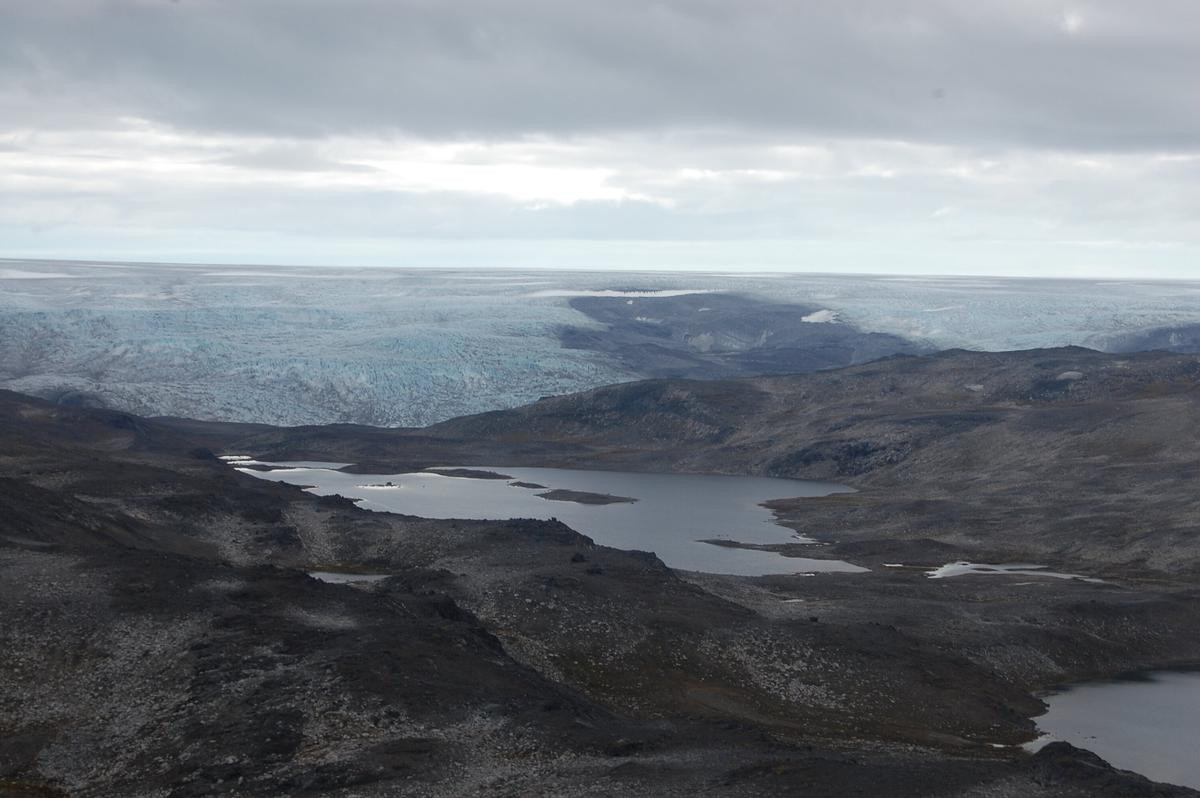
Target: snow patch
(820, 317)
(962, 568)
(342, 578)
(549, 292)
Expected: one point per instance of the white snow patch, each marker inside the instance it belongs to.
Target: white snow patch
(343, 276)
(962, 567)
(820, 317)
(548, 292)
(341, 578)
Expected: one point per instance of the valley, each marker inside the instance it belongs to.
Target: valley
(533, 399)
(129, 546)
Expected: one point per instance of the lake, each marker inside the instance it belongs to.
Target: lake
(1149, 724)
(672, 513)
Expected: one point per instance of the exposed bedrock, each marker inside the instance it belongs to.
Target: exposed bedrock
(715, 335)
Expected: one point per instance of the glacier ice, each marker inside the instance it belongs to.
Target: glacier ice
(304, 345)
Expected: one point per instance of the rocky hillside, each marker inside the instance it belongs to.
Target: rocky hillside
(1071, 456)
(709, 336)
(160, 636)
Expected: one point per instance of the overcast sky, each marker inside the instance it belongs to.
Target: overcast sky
(990, 136)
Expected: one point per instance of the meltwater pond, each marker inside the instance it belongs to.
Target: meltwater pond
(672, 514)
(1149, 724)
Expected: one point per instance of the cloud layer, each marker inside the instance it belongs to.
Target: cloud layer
(946, 133)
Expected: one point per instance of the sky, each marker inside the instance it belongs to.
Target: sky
(1008, 137)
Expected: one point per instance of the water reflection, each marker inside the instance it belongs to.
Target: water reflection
(672, 515)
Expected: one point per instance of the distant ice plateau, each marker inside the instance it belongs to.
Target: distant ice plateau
(301, 345)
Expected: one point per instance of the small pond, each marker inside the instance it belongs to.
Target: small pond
(1149, 724)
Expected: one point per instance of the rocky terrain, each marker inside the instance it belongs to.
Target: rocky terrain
(1183, 338)
(1070, 456)
(711, 336)
(161, 636)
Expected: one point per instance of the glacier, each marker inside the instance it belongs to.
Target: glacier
(409, 347)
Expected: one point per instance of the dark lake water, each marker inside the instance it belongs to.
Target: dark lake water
(672, 514)
(1150, 725)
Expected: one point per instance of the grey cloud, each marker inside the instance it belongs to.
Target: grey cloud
(844, 209)
(1106, 74)
(288, 158)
